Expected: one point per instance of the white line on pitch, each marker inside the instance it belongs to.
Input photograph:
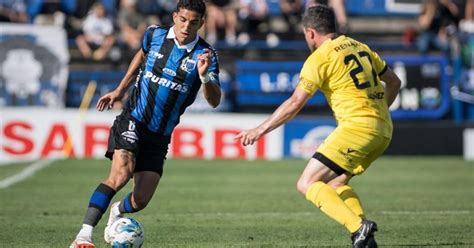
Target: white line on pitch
(25, 173)
(441, 212)
(287, 214)
(10, 163)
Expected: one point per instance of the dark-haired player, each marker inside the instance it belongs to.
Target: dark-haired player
(349, 74)
(168, 72)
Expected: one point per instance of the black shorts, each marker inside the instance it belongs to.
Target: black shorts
(150, 148)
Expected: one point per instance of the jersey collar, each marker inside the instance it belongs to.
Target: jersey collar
(188, 47)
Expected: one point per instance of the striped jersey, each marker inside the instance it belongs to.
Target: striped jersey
(168, 80)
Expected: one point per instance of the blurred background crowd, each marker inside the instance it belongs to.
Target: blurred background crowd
(98, 25)
(103, 34)
(102, 23)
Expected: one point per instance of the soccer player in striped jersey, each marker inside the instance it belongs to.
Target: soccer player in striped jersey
(169, 69)
(349, 74)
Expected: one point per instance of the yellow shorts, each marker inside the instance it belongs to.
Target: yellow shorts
(351, 149)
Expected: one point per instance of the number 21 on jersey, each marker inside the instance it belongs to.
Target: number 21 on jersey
(360, 68)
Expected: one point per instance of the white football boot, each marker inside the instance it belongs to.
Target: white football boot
(82, 243)
(114, 215)
(83, 238)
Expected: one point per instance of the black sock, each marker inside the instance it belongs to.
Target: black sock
(126, 205)
(98, 204)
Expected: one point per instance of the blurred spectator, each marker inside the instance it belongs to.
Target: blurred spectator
(74, 20)
(167, 7)
(409, 36)
(13, 11)
(467, 23)
(97, 34)
(51, 12)
(221, 14)
(339, 9)
(83, 7)
(438, 22)
(110, 6)
(254, 19)
(466, 26)
(292, 11)
(159, 11)
(132, 24)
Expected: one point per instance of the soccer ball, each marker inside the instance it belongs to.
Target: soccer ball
(126, 233)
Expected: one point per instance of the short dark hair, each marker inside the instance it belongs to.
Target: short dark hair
(320, 18)
(198, 6)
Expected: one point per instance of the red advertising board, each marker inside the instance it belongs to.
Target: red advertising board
(30, 134)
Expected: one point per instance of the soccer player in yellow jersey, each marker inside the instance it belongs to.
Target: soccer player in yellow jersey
(349, 74)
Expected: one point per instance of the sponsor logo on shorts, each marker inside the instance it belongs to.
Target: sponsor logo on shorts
(346, 152)
(130, 136)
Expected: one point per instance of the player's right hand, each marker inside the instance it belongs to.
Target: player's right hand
(248, 137)
(107, 100)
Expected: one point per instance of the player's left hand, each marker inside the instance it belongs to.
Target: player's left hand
(107, 101)
(248, 137)
(204, 60)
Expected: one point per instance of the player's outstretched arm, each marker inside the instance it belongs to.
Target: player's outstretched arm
(392, 85)
(282, 114)
(211, 90)
(107, 100)
(212, 93)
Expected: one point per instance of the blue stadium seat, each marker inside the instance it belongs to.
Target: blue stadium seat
(273, 7)
(381, 8)
(78, 81)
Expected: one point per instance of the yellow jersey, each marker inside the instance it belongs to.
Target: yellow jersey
(347, 72)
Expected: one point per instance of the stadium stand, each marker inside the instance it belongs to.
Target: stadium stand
(388, 26)
(384, 30)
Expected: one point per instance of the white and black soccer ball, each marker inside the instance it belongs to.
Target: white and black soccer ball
(126, 233)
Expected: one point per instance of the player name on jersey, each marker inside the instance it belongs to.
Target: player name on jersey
(346, 45)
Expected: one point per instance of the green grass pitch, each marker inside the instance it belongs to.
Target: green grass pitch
(416, 201)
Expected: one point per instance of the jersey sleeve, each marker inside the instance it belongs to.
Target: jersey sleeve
(213, 70)
(310, 76)
(147, 36)
(379, 63)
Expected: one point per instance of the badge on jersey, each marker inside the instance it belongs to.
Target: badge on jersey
(188, 64)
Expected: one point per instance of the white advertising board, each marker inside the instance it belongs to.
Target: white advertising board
(468, 143)
(30, 134)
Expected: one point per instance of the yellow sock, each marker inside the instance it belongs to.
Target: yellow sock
(326, 199)
(351, 199)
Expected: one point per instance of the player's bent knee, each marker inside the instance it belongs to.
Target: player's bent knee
(340, 181)
(302, 186)
(335, 185)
